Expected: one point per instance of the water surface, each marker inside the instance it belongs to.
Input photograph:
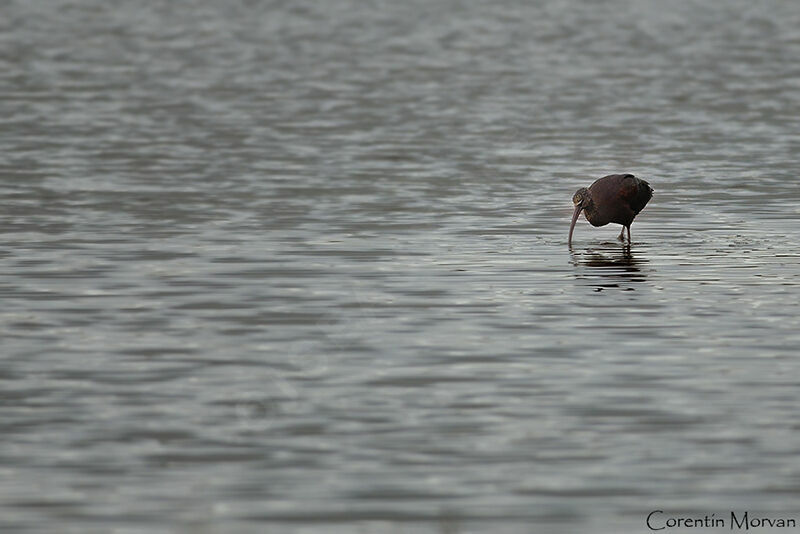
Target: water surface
(299, 267)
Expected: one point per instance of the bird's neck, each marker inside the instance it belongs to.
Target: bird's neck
(590, 212)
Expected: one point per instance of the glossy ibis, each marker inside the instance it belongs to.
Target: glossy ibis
(616, 198)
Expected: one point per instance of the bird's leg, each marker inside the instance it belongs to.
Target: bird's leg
(622, 234)
(629, 235)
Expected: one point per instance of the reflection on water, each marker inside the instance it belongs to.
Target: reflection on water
(610, 265)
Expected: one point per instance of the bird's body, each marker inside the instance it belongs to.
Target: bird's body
(616, 198)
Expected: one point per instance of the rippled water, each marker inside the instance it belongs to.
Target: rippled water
(295, 266)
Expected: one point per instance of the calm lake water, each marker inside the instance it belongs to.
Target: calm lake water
(302, 266)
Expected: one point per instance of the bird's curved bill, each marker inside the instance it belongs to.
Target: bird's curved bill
(578, 209)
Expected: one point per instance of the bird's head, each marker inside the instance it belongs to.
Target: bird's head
(582, 199)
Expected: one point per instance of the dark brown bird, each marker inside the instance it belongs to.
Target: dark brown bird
(616, 198)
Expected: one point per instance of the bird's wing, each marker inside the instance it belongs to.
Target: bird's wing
(637, 193)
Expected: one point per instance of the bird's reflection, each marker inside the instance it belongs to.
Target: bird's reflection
(609, 265)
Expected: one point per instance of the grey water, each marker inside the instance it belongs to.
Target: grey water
(302, 266)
